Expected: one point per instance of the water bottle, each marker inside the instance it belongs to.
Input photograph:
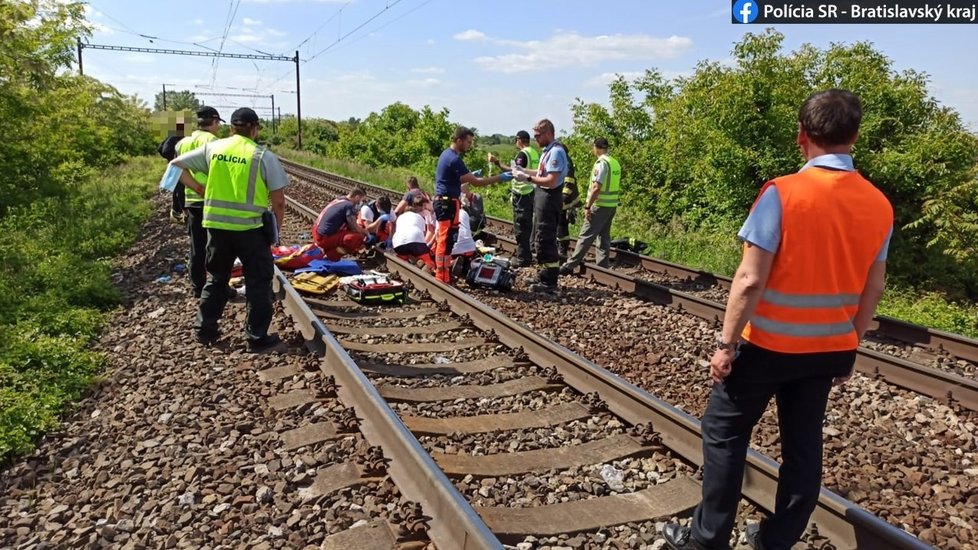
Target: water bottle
(170, 178)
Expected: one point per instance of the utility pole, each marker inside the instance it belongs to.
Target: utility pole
(164, 97)
(298, 103)
(81, 70)
(273, 114)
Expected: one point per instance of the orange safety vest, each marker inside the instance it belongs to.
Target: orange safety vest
(833, 225)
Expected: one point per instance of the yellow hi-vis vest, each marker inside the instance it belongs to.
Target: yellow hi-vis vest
(186, 145)
(608, 195)
(533, 162)
(236, 195)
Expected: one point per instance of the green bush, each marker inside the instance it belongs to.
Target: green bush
(55, 290)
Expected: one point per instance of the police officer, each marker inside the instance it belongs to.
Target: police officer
(602, 203)
(547, 202)
(244, 180)
(208, 123)
(787, 333)
(522, 197)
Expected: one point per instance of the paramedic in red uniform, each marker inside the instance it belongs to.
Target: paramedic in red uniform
(450, 173)
(336, 230)
(815, 246)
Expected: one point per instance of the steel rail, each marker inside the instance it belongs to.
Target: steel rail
(957, 345)
(680, 431)
(843, 522)
(455, 524)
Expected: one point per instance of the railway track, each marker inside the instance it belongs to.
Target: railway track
(948, 383)
(495, 430)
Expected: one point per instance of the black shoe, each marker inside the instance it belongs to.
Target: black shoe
(232, 293)
(679, 537)
(541, 286)
(520, 262)
(265, 342)
(753, 534)
(567, 270)
(206, 339)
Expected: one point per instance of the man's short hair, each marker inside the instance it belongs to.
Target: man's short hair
(831, 117)
(358, 191)
(601, 143)
(461, 133)
(523, 136)
(384, 203)
(544, 124)
(418, 200)
(412, 182)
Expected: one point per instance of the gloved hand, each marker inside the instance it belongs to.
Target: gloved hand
(384, 218)
(521, 176)
(506, 176)
(477, 173)
(370, 240)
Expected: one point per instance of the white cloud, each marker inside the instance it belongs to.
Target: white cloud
(430, 42)
(470, 34)
(289, 1)
(604, 79)
(198, 21)
(249, 21)
(423, 82)
(577, 50)
(428, 70)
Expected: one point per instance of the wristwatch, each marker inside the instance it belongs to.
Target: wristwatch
(729, 346)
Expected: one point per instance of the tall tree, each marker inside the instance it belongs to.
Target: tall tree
(183, 100)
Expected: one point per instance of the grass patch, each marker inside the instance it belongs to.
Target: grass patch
(55, 288)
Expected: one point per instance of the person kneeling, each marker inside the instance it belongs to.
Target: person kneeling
(464, 249)
(376, 217)
(336, 230)
(410, 239)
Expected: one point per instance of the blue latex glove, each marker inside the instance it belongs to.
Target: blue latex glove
(506, 176)
(384, 218)
(477, 173)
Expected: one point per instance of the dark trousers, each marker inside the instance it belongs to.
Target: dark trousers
(567, 217)
(800, 384)
(179, 198)
(547, 204)
(523, 225)
(197, 264)
(252, 247)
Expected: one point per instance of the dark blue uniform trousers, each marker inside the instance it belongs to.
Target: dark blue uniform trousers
(800, 384)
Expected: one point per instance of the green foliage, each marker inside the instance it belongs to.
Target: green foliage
(55, 286)
(183, 100)
(65, 125)
(930, 309)
(698, 148)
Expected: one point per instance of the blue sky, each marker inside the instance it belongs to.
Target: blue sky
(498, 66)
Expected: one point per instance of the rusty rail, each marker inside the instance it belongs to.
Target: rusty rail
(843, 522)
(957, 345)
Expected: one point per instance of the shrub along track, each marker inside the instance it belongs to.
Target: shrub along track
(488, 399)
(916, 453)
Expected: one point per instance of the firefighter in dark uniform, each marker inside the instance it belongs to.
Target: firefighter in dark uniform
(568, 214)
(547, 204)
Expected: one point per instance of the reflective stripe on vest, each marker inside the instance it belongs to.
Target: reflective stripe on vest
(532, 163)
(833, 225)
(186, 145)
(608, 195)
(236, 195)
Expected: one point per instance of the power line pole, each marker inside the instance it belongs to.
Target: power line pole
(298, 103)
(164, 97)
(81, 70)
(263, 57)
